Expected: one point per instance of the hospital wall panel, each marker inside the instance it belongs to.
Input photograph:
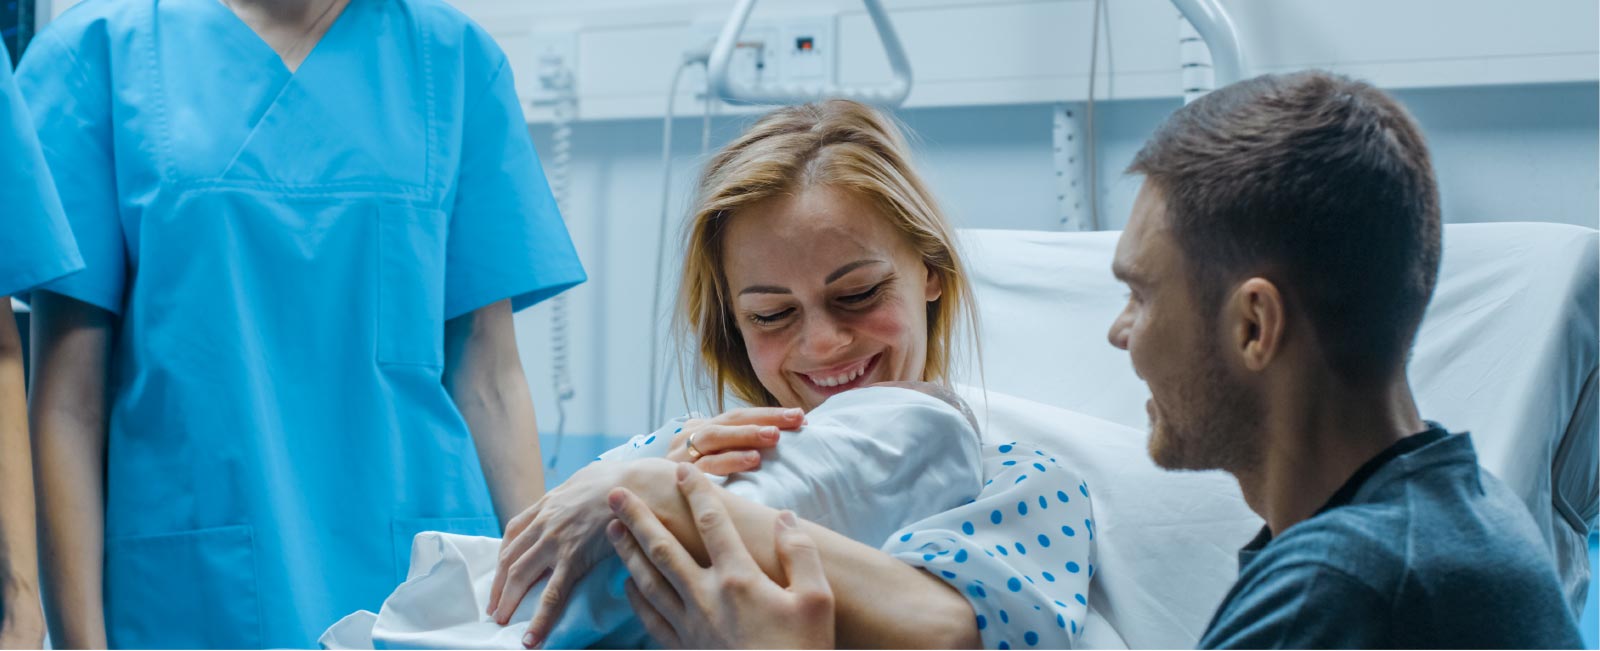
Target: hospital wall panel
(994, 52)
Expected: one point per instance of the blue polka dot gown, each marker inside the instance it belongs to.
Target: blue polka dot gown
(1022, 552)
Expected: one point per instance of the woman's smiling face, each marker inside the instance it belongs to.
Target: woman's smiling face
(828, 295)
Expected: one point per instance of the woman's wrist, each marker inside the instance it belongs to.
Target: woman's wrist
(21, 613)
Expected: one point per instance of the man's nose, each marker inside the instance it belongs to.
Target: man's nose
(1118, 335)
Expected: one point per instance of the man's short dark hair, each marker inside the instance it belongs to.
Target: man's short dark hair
(1319, 183)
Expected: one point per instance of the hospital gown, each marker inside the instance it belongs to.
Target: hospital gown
(890, 468)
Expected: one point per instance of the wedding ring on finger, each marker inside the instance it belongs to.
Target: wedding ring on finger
(694, 452)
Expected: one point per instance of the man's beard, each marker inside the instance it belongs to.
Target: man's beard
(1212, 423)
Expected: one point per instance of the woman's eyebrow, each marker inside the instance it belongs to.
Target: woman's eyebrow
(841, 271)
(764, 289)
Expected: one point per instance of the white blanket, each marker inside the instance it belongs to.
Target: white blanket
(868, 463)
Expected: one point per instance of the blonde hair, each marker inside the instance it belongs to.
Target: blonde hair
(839, 144)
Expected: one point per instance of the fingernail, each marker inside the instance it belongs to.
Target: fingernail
(769, 433)
(614, 500)
(793, 413)
(527, 640)
(683, 471)
(614, 531)
(787, 519)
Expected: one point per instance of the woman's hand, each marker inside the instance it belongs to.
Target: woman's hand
(561, 535)
(732, 442)
(732, 604)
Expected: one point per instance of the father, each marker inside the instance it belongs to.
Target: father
(1280, 256)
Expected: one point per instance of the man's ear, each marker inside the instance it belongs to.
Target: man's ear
(1258, 318)
(933, 287)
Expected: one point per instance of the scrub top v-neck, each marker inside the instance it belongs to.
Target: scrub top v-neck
(283, 250)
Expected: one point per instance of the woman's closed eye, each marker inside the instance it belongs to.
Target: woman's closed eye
(770, 318)
(862, 297)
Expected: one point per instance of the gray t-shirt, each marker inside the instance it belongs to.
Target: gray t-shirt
(1422, 548)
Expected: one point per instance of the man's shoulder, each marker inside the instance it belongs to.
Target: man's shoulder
(1367, 542)
(1436, 521)
(1444, 548)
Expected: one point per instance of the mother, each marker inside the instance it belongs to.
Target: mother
(817, 262)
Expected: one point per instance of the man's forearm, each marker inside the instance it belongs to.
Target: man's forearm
(880, 602)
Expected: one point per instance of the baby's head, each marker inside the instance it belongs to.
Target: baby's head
(941, 392)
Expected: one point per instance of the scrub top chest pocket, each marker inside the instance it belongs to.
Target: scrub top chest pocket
(411, 281)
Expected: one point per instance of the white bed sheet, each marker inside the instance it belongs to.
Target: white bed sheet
(1507, 350)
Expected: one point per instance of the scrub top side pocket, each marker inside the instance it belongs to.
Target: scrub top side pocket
(215, 606)
(411, 259)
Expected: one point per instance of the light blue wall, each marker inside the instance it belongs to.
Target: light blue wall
(1502, 154)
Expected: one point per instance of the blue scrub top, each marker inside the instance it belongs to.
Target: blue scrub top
(36, 245)
(283, 250)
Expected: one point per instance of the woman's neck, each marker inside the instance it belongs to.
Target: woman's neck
(291, 27)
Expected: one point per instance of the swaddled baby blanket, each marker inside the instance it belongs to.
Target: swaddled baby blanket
(888, 467)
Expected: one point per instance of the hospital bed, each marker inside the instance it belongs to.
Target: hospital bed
(1507, 351)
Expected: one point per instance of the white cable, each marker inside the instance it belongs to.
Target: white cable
(1092, 155)
(705, 125)
(660, 413)
(563, 110)
(661, 247)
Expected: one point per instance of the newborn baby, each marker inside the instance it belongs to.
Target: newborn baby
(899, 467)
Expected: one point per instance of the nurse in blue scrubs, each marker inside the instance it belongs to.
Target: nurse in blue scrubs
(306, 225)
(36, 246)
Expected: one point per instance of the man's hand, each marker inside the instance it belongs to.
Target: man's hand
(732, 604)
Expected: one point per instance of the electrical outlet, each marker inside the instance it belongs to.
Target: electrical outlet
(807, 50)
(776, 50)
(755, 58)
